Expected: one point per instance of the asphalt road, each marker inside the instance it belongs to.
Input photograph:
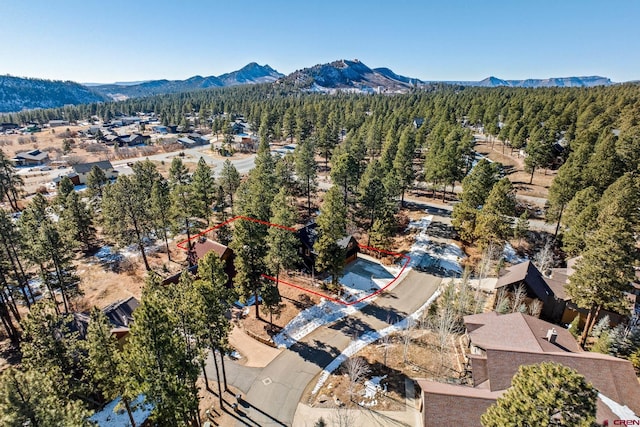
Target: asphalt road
(272, 393)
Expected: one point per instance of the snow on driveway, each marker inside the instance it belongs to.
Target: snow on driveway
(442, 259)
(361, 278)
(371, 337)
(364, 277)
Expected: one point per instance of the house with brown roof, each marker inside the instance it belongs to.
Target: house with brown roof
(499, 344)
(199, 248)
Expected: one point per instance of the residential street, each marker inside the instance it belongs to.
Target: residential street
(272, 393)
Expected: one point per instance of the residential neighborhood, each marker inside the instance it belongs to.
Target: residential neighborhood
(186, 240)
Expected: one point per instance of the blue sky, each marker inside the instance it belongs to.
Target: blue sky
(126, 40)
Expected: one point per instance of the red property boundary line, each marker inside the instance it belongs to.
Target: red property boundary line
(181, 245)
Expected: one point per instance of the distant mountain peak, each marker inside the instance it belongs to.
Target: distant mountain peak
(349, 75)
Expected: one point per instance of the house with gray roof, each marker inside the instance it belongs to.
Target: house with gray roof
(83, 170)
(31, 158)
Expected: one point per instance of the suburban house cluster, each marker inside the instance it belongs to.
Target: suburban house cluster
(496, 346)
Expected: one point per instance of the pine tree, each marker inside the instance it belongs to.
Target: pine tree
(345, 172)
(160, 211)
(11, 252)
(37, 398)
(105, 364)
(604, 272)
(49, 345)
(45, 246)
(10, 182)
(522, 226)
(158, 360)
(271, 301)
(546, 394)
(229, 180)
(580, 219)
(217, 299)
(538, 155)
(372, 192)
(127, 215)
(403, 161)
(282, 244)
(332, 226)
(76, 222)
(203, 185)
(494, 220)
(96, 180)
(306, 169)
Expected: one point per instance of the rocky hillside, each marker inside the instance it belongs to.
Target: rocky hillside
(250, 74)
(351, 76)
(19, 94)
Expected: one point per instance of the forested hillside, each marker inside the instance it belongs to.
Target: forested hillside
(17, 94)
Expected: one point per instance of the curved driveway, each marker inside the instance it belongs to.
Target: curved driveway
(272, 393)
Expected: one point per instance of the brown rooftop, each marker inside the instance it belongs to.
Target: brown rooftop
(204, 246)
(517, 331)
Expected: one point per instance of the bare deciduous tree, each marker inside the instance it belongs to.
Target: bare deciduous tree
(535, 308)
(543, 259)
(503, 303)
(406, 340)
(357, 369)
(518, 299)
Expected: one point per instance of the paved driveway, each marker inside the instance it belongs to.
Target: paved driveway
(274, 392)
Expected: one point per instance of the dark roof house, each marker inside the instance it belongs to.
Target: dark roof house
(308, 236)
(119, 313)
(527, 275)
(83, 170)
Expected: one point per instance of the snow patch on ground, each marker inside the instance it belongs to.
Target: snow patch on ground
(434, 257)
(310, 319)
(622, 411)
(369, 338)
(510, 255)
(371, 389)
(364, 277)
(114, 415)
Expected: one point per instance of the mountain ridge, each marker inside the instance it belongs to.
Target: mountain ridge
(251, 73)
(18, 93)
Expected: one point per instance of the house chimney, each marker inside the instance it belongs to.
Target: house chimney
(552, 334)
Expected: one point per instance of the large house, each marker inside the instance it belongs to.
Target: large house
(31, 158)
(557, 305)
(202, 246)
(83, 170)
(499, 344)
